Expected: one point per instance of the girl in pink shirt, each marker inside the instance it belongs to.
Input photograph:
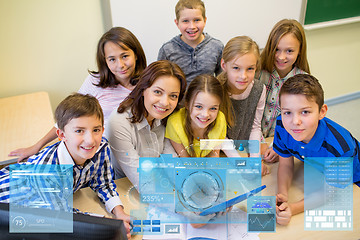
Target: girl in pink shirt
(120, 59)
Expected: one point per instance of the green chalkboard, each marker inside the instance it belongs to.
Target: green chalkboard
(318, 11)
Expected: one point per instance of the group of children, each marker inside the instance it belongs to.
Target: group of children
(232, 92)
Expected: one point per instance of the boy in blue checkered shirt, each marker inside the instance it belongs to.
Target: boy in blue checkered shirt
(80, 123)
(302, 130)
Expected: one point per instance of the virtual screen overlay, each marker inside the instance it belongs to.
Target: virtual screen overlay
(179, 191)
(261, 214)
(328, 194)
(175, 192)
(41, 198)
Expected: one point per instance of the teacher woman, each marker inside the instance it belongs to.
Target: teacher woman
(137, 128)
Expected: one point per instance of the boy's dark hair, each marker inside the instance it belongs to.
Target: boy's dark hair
(189, 4)
(77, 105)
(304, 84)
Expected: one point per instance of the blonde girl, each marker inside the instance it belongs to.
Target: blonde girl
(283, 57)
(201, 118)
(239, 62)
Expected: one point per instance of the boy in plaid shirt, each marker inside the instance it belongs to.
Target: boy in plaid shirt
(80, 123)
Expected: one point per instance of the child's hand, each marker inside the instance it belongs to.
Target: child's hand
(223, 213)
(128, 229)
(270, 156)
(264, 169)
(197, 225)
(120, 214)
(280, 198)
(24, 153)
(283, 214)
(283, 210)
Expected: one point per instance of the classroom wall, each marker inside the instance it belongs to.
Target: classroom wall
(225, 19)
(47, 45)
(334, 58)
(50, 45)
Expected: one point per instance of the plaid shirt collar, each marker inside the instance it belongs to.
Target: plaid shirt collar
(65, 157)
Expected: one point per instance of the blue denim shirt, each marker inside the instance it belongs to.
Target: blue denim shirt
(204, 59)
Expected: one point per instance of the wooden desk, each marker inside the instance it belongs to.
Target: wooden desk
(86, 200)
(24, 120)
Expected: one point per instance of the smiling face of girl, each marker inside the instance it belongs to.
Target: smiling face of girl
(240, 72)
(287, 52)
(121, 62)
(204, 110)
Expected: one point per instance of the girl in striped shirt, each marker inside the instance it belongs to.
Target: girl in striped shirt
(283, 56)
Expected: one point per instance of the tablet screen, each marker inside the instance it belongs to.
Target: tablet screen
(222, 206)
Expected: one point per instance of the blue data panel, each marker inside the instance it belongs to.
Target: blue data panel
(261, 212)
(328, 194)
(185, 187)
(41, 198)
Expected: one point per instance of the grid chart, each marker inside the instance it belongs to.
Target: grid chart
(336, 212)
(147, 226)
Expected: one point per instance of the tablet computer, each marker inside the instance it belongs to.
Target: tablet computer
(222, 206)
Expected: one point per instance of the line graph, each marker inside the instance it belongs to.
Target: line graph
(261, 222)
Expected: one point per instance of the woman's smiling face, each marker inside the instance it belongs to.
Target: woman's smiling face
(161, 98)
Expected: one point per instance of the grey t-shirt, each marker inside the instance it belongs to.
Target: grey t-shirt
(204, 59)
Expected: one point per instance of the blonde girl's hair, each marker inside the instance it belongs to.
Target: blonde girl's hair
(280, 29)
(237, 47)
(209, 84)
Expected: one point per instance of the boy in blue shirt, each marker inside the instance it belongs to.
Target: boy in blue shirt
(194, 51)
(80, 124)
(302, 130)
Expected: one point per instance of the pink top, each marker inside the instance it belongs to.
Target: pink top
(109, 98)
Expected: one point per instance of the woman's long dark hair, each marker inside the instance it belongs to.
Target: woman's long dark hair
(135, 100)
